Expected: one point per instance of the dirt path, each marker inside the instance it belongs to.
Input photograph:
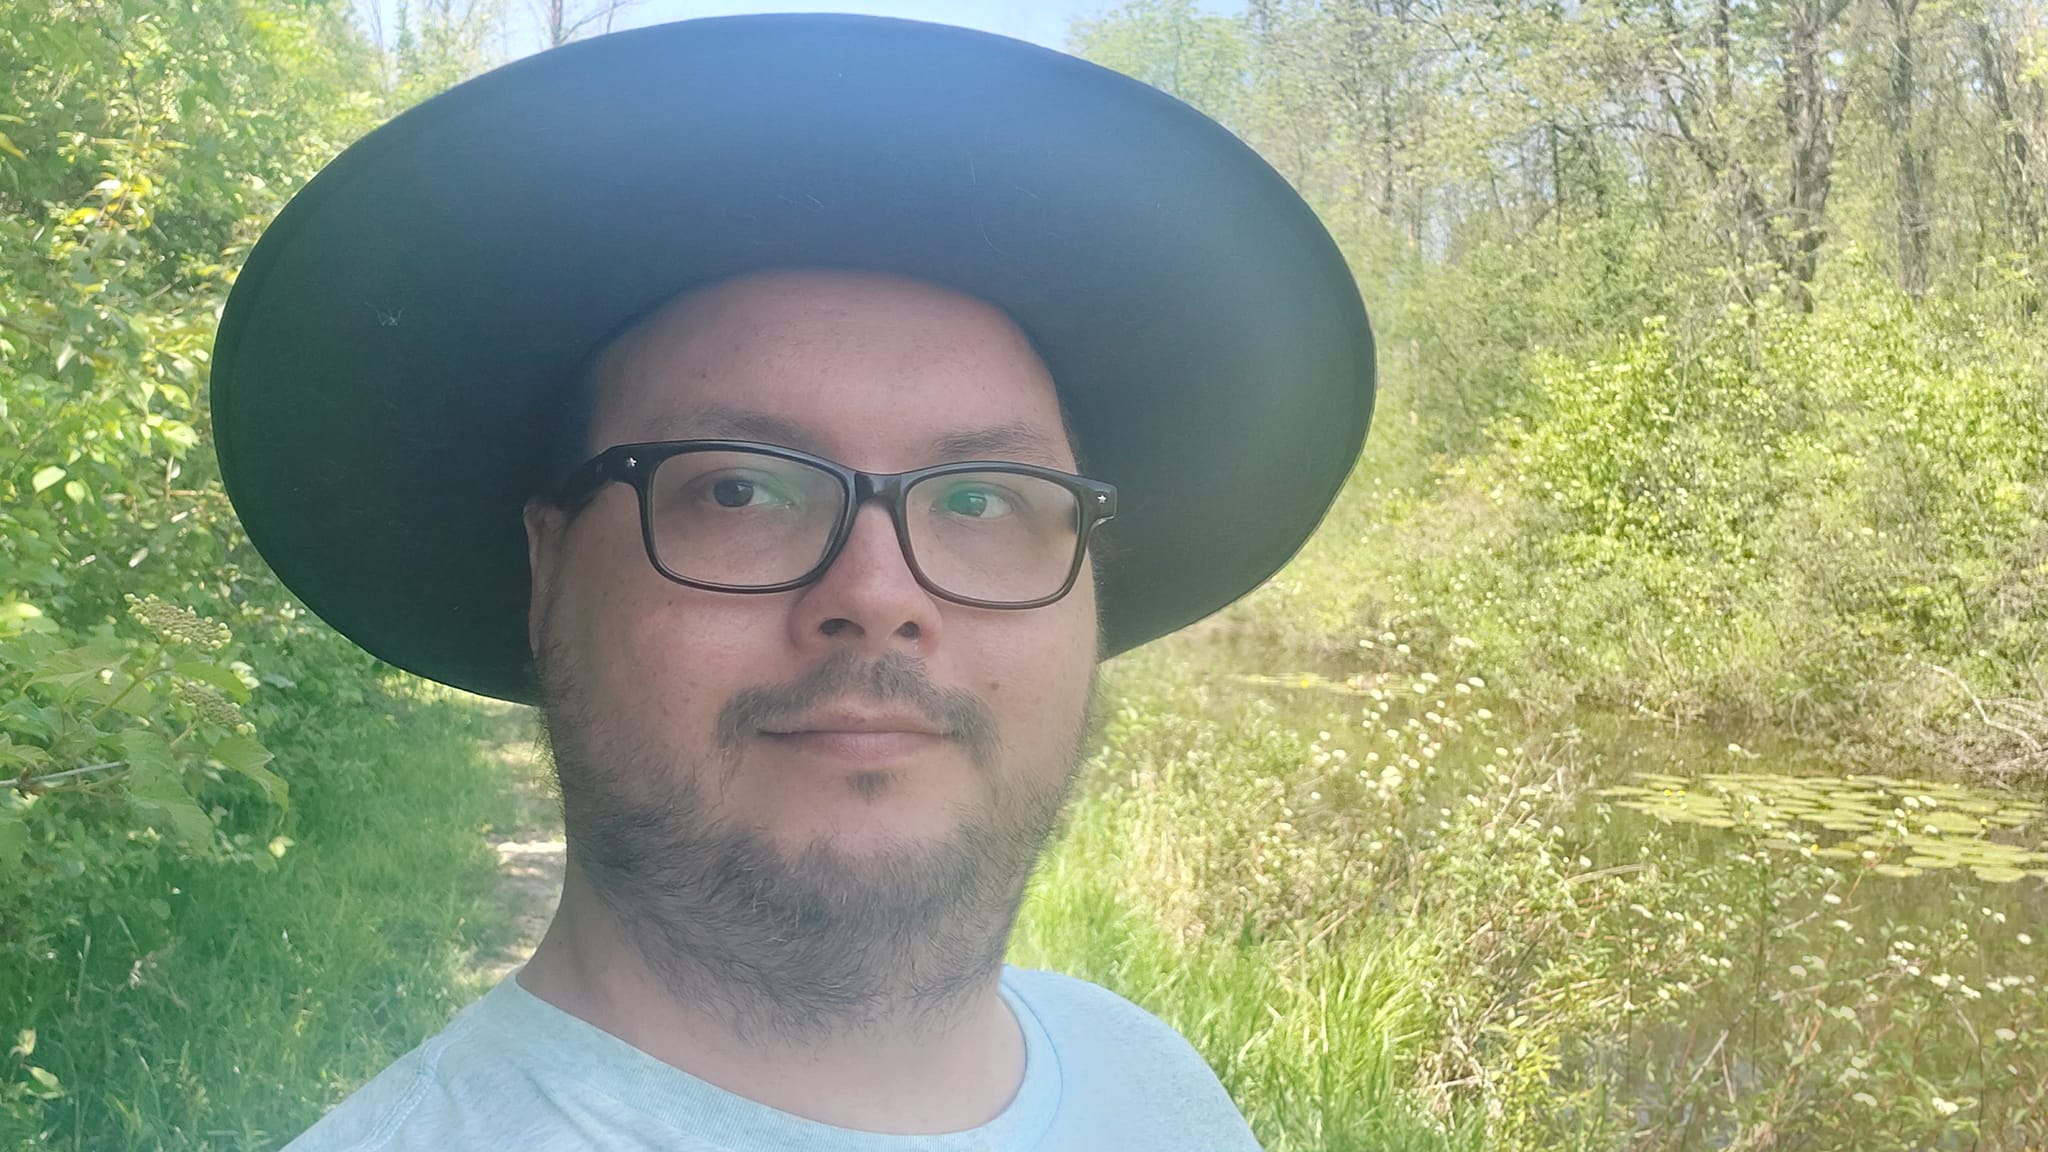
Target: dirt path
(530, 850)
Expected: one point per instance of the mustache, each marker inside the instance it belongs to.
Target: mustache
(892, 678)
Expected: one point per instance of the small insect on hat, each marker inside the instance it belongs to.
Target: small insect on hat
(393, 357)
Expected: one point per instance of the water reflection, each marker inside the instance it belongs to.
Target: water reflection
(1901, 827)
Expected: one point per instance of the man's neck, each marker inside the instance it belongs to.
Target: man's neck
(902, 1071)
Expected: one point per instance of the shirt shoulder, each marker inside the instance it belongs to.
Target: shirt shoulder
(1123, 1070)
(371, 1116)
(496, 1077)
(1085, 1016)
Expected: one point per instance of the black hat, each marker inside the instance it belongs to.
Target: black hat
(394, 354)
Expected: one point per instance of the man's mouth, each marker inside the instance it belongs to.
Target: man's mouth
(857, 734)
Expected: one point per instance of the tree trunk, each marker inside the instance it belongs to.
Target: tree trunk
(1812, 109)
(1910, 159)
(2025, 186)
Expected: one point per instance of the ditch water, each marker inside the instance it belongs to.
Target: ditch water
(1816, 953)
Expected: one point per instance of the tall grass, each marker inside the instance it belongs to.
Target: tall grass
(259, 999)
(1317, 1044)
(1187, 881)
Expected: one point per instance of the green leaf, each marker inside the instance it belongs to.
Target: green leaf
(45, 477)
(14, 755)
(67, 669)
(244, 755)
(146, 751)
(166, 805)
(154, 787)
(9, 147)
(41, 723)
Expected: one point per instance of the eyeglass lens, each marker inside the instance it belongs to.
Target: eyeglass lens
(744, 519)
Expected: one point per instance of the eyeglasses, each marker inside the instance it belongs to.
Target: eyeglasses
(736, 516)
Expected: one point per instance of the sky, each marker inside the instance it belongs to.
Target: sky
(1040, 21)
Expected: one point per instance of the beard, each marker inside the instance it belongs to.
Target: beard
(822, 943)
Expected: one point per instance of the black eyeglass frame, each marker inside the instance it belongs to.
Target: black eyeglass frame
(636, 463)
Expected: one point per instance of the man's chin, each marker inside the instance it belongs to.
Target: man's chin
(872, 849)
(868, 814)
(875, 856)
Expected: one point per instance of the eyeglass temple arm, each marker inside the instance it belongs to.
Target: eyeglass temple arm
(579, 486)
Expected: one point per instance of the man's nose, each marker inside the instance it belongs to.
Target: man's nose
(869, 595)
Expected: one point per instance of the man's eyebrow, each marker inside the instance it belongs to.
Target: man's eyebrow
(997, 441)
(719, 423)
(1015, 440)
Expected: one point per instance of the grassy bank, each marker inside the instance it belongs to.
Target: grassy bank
(226, 1005)
(1392, 917)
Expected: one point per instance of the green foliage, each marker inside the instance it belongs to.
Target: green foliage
(1653, 427)
(194, 1004)
(148, 659)
(438, 44)
(1384, 926)
(110, 738)
(1171, 46)
(1754, 515)
(1229, 873)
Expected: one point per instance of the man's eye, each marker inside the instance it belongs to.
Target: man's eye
(974, 503)
(743, 492)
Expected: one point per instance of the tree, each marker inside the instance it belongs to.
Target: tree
(1169, 45)
(564, 20)
(1901, 101)
(2010, 38)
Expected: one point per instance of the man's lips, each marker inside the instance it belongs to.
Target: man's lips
(869, 737)
(854, 722)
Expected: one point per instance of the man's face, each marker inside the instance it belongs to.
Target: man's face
(858, 723)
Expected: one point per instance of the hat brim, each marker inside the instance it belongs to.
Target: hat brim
(394, 350)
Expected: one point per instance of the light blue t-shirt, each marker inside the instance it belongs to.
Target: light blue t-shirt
(513, 1072)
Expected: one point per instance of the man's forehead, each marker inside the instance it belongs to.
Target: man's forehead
(779, 313)
(1007, 440)
(813, 358)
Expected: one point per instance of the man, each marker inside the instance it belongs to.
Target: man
(796, 409)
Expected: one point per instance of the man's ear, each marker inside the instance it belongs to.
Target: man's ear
(546, 523)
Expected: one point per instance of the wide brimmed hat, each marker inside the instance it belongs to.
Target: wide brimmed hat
(394, 355)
